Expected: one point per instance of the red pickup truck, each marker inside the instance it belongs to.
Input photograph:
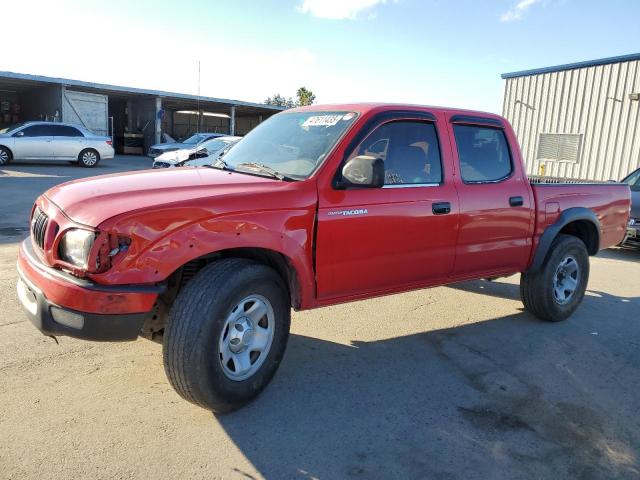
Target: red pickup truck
(316, 206)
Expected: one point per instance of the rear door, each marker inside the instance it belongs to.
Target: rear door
(401, 235)
(496, 205)
(68, 141)
(33, 143)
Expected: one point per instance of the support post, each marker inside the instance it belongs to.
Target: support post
(158, 129)
(232, 121)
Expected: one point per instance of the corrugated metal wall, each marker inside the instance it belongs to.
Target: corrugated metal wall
(592, 101)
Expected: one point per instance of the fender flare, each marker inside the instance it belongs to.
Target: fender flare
(551, 232)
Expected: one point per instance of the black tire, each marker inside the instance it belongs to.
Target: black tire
(191, 345)
(538, 291)
(88, 158)
(5, 156)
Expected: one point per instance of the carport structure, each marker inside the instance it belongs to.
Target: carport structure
(126, 113)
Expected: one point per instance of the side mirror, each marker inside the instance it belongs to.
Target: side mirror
(19, 134)
(363, 171)
(202, 153)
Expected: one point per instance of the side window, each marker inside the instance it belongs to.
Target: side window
(409, 149)
(66, 131)
(483, 152)
(37, 131)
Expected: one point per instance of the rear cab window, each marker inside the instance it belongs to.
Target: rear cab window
(483, 153)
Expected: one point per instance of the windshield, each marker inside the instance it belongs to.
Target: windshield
(11, 127)
(197, 138)
(215, 145)
(294, 144)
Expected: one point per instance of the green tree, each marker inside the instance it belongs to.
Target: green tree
(305, 97)
(280, 101)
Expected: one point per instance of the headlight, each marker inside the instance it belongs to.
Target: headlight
(75, 246)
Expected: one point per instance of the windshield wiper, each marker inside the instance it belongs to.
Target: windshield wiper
(266, 169)
(219, 164)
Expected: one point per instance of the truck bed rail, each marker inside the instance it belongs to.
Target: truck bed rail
(537, 179)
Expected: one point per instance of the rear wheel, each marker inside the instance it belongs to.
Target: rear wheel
(555, 291)
(5, 156)
(226, 334)
(88, 158)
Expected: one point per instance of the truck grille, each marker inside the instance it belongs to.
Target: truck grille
(39, 223)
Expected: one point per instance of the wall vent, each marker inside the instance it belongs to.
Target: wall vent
(559, 147)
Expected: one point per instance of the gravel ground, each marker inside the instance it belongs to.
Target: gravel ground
(449, 383)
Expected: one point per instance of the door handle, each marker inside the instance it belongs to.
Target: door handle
(441, 208)
(516, 201)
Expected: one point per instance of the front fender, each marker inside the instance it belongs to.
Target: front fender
(288, 232)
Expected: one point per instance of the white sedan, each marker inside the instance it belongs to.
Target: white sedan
(53, 141)
(204, 153)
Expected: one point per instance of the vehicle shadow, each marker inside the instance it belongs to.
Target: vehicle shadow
(494, 288)
(627, 254)
(511, 397)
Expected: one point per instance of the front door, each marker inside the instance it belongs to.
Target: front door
(33, 142)
(381, 239)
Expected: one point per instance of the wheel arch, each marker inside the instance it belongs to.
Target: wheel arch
(85, 148)
(579, 222)
(282, 264)
(7, 148)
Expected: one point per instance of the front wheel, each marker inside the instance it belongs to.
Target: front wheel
(5, 156)
(226, 334)
(555, 291)
(88, 158)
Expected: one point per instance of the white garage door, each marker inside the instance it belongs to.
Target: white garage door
(88, 109)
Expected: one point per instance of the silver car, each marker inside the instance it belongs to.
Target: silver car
(191, 142)
(53, 141)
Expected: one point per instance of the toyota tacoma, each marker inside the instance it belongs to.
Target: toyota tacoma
(316, 206)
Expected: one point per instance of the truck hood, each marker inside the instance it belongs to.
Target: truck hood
(93, 200)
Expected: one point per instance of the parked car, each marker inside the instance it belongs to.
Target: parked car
(204, 153)
(315, 206)
(191, 142)
(53, 141)
(633, 228)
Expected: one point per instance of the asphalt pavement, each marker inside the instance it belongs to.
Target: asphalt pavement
(449, 383)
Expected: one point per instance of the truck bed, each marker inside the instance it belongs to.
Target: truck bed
(609, 201)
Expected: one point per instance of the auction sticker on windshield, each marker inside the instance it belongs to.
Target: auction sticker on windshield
(322, 120)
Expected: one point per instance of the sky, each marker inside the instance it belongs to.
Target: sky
(433, 52)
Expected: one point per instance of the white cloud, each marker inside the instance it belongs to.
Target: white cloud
(227, 70)
(518, 10)
(338, 9)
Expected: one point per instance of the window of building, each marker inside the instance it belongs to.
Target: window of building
(559, 147)
(483, 153)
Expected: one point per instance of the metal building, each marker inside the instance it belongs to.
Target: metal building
(577, 121)
(133, 116)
